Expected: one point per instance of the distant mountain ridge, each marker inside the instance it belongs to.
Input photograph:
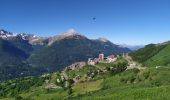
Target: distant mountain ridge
(132, 47)
(46, 54)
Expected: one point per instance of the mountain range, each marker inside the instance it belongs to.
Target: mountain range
(26, 54)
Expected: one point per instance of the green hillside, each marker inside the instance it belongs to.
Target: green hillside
(162, 58)
(147, 84)
(153, 55)
(132, 84)
(35, 87)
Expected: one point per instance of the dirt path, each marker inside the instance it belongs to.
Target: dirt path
(64, 74)
(132, 64)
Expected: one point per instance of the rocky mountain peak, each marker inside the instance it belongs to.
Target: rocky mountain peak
(103, 40)
(3, 32)
(70, 32)
(25, 36)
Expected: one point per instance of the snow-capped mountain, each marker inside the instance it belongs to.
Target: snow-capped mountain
(5, 34)
(33, 39)
(25, 36)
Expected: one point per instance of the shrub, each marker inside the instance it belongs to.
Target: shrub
(19, 98)
(156, 83)
(69, 91)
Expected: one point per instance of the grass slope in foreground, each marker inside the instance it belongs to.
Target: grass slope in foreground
(150, 83)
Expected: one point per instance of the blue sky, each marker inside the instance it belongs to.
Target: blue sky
(131, 22)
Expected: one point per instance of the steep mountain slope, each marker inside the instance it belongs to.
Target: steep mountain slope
(7, 50)
(22, 44)
(153, 55)
(14, 50)
(71, 49)
(11, 59)
(162, 58)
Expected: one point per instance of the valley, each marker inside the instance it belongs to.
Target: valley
(121, 79)
(84, 50)
(80, 68)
